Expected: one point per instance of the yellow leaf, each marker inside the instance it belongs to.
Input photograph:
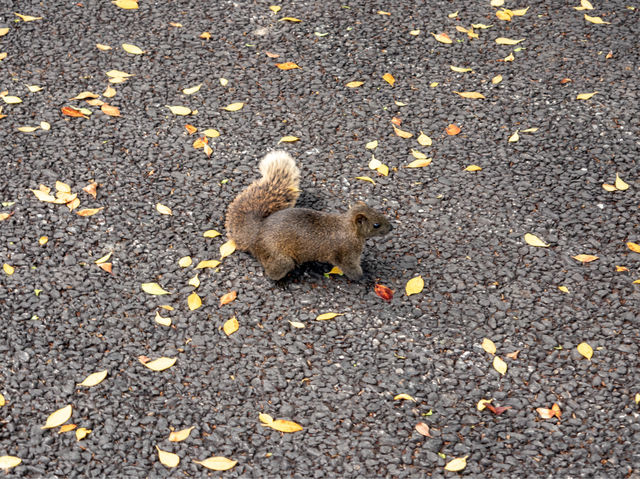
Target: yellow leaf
(455, 14)
(289, 19)
(403, 396)
(460, 69)
(283, 425)
(45, 125)
(185, 261)
(211, 133)
(637, 398)
(177, 436)
(153, 288)
(489, 346)
(210, 234)
(481, 26)
(457, 464)
(402, 133)
(499, 365)
(509, 58)
(414, 285)
(504, 14)
(383, 170)
(621, 185)
(442, 37)
(418, 155)
(162, 320)
(514, 138)
(44, 196)
(482, 404)
(274, 8)
(11, 100)
(354, 84)
(637, 281)
(134, 50)
(365, 178)
(27, 129)
(609, 187)
(388, 77)
(520, 12)
(326, 316)
(399, 103)
(469, 94)
(336, 270)
(217, 463)
(621, 269)
(584, 5)
(58, 418)
(473, 168)
(43, 240)
(192, 90)
(287, 66)
(497, 3)
(533, 240)
(162, 209)
(2, 402)
(585, 96)
(7, 462)
(103, 47)
(81, 433)
(109, 92)
(160, 364)
(585, 258)
(168, 459)
(126, 4)
(424, 140)
(585, 350)
(209, 263)
(374, 163)
(94, 379)
(230, 326)
(414, 32)
(28, 18)
(194, 301)
(635, 247)
(596, 20)
(564, 289)
(8, 269)
(3, 32)
(179, 110)
(508, 41)
(372, 145)
(288, 139)
(265, 418)
(496, 79)
(530, 130)
(419, 163)
(297, 324)
(227, 248)
(118, 74)
(233, 106)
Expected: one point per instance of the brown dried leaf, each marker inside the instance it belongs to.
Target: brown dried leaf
(383, 291)
(585, 258)
(423, 429)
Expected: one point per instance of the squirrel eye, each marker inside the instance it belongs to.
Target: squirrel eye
(376, 225)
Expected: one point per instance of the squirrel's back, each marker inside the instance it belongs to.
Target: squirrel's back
(276, 190)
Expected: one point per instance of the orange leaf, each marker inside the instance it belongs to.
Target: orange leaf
(227, 298)
(106, 267)
(384, 292)
(191, 129)
(388, 77)
(70, 111)
(110, 110)
(513, 355)
(402, 133)
(633, 247)
(396, 121)
(452, 129)
(287, 66)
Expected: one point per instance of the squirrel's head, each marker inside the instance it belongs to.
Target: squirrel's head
(368, 222)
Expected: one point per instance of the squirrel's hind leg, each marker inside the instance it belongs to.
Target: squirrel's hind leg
(277, 266)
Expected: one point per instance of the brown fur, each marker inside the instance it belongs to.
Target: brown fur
(262, 221)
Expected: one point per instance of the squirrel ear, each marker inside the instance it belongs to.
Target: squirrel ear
(360, 218)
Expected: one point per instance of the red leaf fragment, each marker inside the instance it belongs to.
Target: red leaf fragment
(384, 292)
(497, 410)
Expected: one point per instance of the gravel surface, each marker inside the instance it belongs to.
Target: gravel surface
(62, 317)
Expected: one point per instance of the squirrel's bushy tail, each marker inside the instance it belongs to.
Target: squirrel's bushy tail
(276, 190)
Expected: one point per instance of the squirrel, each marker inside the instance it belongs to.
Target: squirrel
(263, 221)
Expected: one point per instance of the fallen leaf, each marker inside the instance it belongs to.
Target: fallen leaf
(402, 133)
(621, 269)
(269, 54)
(84, 95)
(423, 429)
(383, 170)
(513, 355)
(227, 298)
(91, 189)
(452, 130)
(27, 129)
(289, 19)
(192, 90)
(504, 14)
(70, 111)
(442, 37)
(89, 211)
(584, 5)
(205, 35)
(94, 379)
(414, 285)
(499, 365)
(4, 216)
(161, 320)
(134, 50)
(635, 247)
(481, 26)
(564, 289)
(58, 418)
(354, 84)
(8, 462)
(497, 410)
(482, 404)
(381, 12)
(549, 413)
(233, 106)
(609, 187)
(103, 47)
(153, 288)
(585, 350)
(274, 8)
(470, 94)
(217, 463)
(414, 32)
(230, 326)
(27, 18)
(596, 20)
(533, 240)
(509, 58)
(209, 263)
(366, 178)
(488, 346)
(8, 269)
(288, 139)
(190, 129)
(194, 301)
(460, 69)
(620, 185)
(210, 234)
(297, 324)
(110, 110)
(457, 464)
(287, 66)
(585, 96)
(168, 459)
(326, 316)
(388, 77)
(160, 364)
(419, 163)
(403, 396)
(496, 79)
(179, 110)
(178, 436)
(227, 248)
(372, 145)
(374, 163)
(284, 425)
(424, 140)
(508, 41)
(473, 168)
(43, 240)
(585, 258)
(162, 209)
(81, 433)
(126, 4)
(383, 291)
(514, 138)
(519, 12)
(211, 133)
(265, 418)
(530, 130)
(4, 31)
(109, 92)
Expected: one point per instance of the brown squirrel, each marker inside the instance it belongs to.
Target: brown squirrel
(263, 221)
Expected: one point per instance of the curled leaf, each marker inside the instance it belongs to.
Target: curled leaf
(209, 263)
(620, 184)
(234, 106)
(403, 396)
